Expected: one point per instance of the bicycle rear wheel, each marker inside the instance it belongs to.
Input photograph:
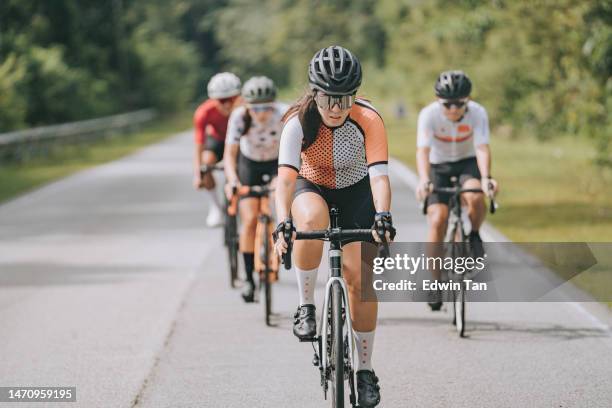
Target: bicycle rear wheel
(337, 348)
(231, 237)
(265, 260)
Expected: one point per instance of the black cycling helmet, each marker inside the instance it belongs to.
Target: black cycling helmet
(335, 71)
(259, 89)
(453, 85)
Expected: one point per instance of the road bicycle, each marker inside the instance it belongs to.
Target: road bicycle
(266, 260)
(230, 229)
(335, 352)
(458, 244)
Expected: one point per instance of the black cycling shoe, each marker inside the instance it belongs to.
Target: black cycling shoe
(368, 390)
(248, 294)
(476, 244)
(305, 323)
(434, 300)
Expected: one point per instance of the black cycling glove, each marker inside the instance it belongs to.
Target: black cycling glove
(286, 228)
(383, 223)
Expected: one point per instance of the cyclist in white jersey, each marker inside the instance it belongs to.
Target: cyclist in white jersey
(453, 141)
(252, 143)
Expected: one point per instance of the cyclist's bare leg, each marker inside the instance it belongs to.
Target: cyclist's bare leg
(248, 207)
(310, 213)
(209, 158)
(437, 217)
(476, 204)
(363, 313)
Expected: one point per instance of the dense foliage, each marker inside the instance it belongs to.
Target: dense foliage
(542, 68)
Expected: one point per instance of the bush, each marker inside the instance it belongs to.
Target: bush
(169, 70)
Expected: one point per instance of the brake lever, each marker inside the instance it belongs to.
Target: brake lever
(286, 258)
(493, 204)
(383, 248)
(424, 206)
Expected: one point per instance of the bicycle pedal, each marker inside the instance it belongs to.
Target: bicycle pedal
(308, 339)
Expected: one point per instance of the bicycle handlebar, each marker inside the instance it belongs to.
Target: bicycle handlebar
(209, 168)
(335, 233)
(330, 234)
(456, 190)
(255, 190)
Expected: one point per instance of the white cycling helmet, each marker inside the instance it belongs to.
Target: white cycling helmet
(223, 85)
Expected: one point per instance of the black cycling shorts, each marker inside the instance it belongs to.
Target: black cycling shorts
(215, 146)
(355, 202)
(251, 172)
(441, 174)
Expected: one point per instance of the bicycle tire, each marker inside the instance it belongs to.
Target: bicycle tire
(337, 348)
(459, 308)
(459, 250)
(266, 274)
(232, 250)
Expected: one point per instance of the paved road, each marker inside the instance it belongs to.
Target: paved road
(110, 282)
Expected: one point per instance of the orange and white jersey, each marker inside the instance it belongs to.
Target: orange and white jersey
(452, 141)
(340, 156)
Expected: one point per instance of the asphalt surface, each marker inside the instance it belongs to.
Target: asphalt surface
(110, 282)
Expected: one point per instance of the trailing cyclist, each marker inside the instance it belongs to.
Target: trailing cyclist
(334, 151)
(252, 144)
(210, 122)
(453, 141)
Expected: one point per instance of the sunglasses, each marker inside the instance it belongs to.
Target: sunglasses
(226, 101)
(459, 103)
(262, 107)
(327, 102)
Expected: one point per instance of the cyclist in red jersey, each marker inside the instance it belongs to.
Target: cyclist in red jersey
(210, 123)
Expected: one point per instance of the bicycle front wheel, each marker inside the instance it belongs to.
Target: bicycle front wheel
(232, 248)
(459, 307)
(337, 347)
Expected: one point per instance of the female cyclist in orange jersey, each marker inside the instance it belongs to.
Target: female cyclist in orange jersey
(333, 150)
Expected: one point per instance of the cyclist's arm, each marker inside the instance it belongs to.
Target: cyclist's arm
(200, 120)
(197, 158)
(381, 192)
(285, 186)
(377, 157)
(481, 142)
(483, 157)
(424, 139)
(422, 159)
(289, 163)
(231, 163)
(235, 128)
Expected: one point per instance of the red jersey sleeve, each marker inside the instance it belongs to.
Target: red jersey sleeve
(200, 121)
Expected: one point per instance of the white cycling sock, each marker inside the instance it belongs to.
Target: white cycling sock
(212, 198)
(306, 285)
(365, 345)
